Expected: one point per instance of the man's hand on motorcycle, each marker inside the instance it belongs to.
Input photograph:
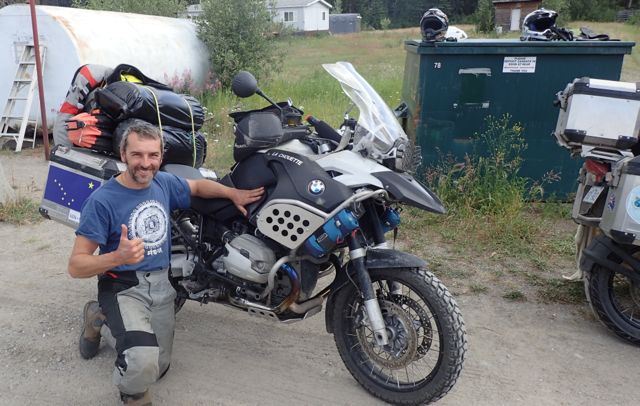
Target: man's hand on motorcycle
(242, 197)
(130, 251)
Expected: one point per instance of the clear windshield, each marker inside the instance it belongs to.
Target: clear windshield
(381, 125)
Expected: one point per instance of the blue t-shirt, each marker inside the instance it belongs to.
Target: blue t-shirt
(145, 212)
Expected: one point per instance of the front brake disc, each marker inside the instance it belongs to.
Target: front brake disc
(422, 321)
(403, 338)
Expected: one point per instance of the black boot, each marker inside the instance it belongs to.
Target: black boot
(93, 319)
(139, 399)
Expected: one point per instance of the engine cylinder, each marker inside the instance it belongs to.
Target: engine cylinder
(249, 258)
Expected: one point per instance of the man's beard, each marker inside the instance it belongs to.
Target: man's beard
(137, 177)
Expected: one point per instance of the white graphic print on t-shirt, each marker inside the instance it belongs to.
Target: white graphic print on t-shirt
(149, 221)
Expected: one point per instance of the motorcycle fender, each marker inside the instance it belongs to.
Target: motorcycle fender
(598, 252)
(385, 258)
(376, 259)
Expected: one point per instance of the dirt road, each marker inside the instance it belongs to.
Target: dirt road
(519, 353)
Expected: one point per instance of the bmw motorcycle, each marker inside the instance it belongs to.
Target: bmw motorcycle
(599, 121)
(319, 237)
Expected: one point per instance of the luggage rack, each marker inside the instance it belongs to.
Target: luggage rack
(606, 154)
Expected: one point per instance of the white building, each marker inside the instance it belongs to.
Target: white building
(192, 11)
(303, 15)
(299, 15)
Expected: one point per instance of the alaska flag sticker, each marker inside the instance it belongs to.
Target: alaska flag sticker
(68, 189)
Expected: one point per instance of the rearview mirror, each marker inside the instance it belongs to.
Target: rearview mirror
(244, 84)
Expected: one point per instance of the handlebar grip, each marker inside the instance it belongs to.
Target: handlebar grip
(324, 130)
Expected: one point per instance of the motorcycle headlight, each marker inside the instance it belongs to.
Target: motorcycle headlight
(403, 157)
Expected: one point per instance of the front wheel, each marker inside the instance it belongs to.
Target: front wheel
(427, 337)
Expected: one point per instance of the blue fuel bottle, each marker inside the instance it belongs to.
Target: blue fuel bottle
(333, 231)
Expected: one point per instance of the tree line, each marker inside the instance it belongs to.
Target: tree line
(384, 14)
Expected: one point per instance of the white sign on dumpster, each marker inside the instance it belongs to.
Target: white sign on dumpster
(519, 64)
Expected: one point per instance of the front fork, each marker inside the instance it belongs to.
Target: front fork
(357, 254)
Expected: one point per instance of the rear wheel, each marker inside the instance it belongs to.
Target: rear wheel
(427, 338)
(615, 300)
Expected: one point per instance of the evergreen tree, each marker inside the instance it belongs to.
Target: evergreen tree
(592, 10)
(167, 8)
(408, 13)
(372, 12)
(485, 16)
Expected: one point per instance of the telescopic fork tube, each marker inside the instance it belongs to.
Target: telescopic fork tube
(371, 305)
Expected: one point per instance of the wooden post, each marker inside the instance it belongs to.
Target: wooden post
(43, 111)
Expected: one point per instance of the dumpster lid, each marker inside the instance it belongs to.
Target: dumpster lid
(515, 46)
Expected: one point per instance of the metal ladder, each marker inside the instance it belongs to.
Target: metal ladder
(21, 98)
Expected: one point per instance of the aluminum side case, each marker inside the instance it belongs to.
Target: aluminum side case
(621, 214)
(74, 174)
(598, 112)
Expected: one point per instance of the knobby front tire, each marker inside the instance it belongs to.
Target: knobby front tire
(427, 337)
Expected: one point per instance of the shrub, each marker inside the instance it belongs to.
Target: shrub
(635, 18)
(240, 35)
(484, 16)
(385, 23)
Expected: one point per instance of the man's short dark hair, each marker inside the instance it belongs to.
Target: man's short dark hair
(145, 131)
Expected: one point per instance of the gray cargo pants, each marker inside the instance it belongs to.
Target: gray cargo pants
(140, 321)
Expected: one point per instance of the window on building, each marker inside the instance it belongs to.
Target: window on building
(288, 16)
(324, 15)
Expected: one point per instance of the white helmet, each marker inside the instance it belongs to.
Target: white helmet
(433, 25)
(538, 25)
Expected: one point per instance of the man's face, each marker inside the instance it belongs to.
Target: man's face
(143, 157)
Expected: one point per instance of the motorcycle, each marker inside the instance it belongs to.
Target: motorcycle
(607, 202)
(317, 237)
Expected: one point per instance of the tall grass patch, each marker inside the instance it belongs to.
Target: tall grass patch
(486, 182)
(489, 201)
(20, 211)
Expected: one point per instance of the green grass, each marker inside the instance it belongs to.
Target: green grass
(624, 32)
(561, 291)
(515, 296)
(478, 288)
(21, 211)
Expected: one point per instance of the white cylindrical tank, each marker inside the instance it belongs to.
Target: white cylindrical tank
(162, 48)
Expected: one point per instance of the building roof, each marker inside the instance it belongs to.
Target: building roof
(299, 3)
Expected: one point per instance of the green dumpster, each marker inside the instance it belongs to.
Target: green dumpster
(450, 87)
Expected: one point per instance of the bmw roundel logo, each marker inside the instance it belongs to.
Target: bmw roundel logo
(316, 187)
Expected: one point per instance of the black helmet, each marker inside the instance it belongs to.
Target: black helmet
(538, 25)
(434, 25)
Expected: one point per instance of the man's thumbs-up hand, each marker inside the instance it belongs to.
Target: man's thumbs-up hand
(129, 251)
